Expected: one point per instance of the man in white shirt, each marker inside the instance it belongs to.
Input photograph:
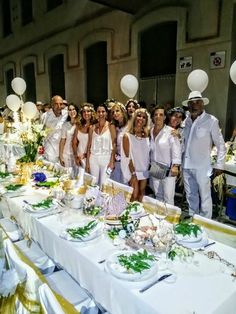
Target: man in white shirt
(201, 131)
(53, 120)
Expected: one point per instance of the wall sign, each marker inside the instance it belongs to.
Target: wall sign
(185, 64)
(217, 60)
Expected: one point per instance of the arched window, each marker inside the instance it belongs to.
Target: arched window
(96, 65)
(9, 75)
(157, 55)
(57, 75)
(29, 76)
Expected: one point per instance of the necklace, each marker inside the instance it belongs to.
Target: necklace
(99, 132)
(139, 134)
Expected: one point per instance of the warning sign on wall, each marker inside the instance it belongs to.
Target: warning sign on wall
(217, 60)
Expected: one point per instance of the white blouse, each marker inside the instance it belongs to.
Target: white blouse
(101, 143)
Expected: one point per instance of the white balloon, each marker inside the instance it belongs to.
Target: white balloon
(29, 109)
(232, 72)
(129, 85)
(197, 80)
(13, 102)
(18, 85)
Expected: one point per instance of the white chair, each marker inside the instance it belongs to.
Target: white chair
(113, 187)
(36, 256)
(48, 301)
(152, 205)
(11, 229)
(89, 179)
(65, 285)
(217, 230)
(27, 301)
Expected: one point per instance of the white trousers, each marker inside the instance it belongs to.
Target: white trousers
(98, 167)
(164, 189)
(197, 185)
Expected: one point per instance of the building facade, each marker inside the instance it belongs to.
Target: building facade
(81, 49)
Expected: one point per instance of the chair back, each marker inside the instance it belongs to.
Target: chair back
(151, 205)
(113, 187)
(89, 179)
(217, 230)
(48, 300)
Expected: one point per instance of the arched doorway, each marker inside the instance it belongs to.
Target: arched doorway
(96, 72)
(157, 63)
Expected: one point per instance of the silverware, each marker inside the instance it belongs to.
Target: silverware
(101, 261)
(50, 214)
(155, 282)
(209, 244)
(205, 246)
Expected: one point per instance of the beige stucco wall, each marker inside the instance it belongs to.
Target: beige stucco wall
(203, 27)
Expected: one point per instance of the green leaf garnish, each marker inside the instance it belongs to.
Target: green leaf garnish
(112, 233)
(48, 184)
(133, 206)
(187, 229)
(93, 210)
(80, 232)
(3, 175)
(136, 262)
(13, 187)
(43, 204)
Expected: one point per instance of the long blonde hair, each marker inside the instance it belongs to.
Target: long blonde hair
(146, 128)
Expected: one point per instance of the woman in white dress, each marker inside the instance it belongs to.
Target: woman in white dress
(101, 147)
(119, 120)
(66, 156)
(165, 149)
(80, 137)
(135, 153)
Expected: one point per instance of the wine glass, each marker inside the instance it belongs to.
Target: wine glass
(161, 212)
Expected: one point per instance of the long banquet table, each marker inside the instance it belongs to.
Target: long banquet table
(202, 286)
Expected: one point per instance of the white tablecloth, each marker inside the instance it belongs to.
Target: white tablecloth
(206, 287)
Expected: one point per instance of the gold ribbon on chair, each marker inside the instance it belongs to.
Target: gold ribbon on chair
(33, 306)
(112, 190)
(217, 228)
(172, 216)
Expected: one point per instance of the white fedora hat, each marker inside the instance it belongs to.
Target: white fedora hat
(195, 95)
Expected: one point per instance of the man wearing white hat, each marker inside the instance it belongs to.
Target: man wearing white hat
(201, 131)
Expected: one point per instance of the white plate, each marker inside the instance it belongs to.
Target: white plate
(113, 222)
(194, 245)
(94, 233)
(189, 239)
(38, 210)
(16, 192)
(115, 269)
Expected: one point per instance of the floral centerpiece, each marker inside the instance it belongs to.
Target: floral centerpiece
(32, 140)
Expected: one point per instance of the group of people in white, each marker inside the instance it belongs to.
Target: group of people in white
(121, 142)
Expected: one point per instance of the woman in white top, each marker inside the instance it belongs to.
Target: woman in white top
(165, 149)
(101, 147)
(65, 148)
(119, 120)
(135, 153)
(80, 138)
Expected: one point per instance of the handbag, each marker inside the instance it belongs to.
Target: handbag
(159, 170)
